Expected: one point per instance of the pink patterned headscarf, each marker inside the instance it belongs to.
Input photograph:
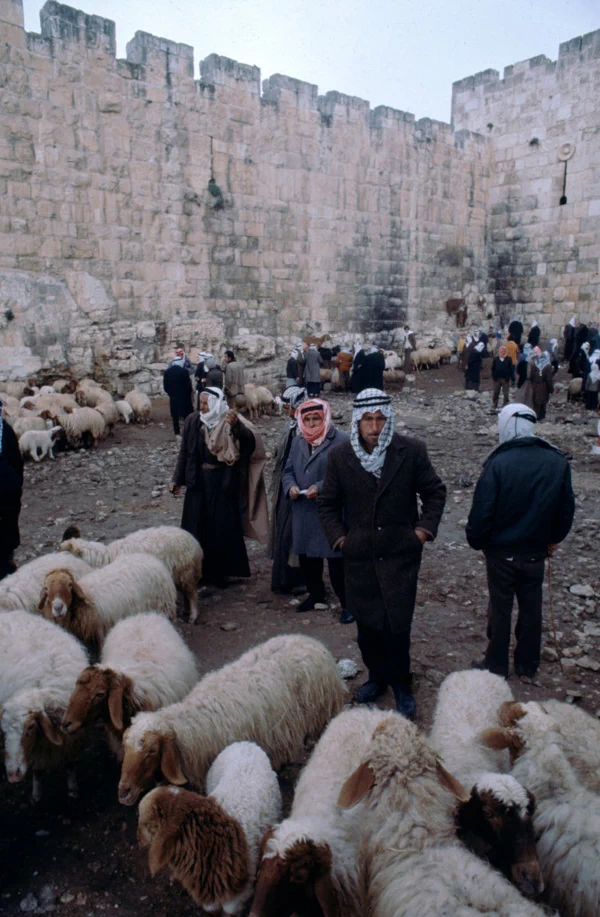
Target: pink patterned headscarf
(316, 435)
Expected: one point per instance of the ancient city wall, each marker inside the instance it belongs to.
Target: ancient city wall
(543, 256)
(334, 217)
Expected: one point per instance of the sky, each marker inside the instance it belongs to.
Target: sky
(400, 53)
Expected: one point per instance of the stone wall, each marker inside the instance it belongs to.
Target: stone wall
(543, 255)
(333, 217)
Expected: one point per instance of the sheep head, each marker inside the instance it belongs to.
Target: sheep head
(25, 728)
(99, 693)
(292, 880)
(497, 823)
(205, 847)
(146, 753)
(63, 601)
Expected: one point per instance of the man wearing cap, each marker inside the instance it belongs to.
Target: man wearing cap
(368, 509)
(523, 506)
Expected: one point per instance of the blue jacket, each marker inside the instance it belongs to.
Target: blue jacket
(304, 469)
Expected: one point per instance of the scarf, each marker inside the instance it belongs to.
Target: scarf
(572, 321)
(294, 354)
(533, 324)
(515, 421)
(543, 360)
(316, 435)
(294, 396)
(524, 355)
(217, 407)
(586, 348)
(357, 347)
(372, 400)
(479, 348)
(594, 368)
(178, 361)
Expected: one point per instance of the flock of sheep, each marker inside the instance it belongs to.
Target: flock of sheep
(498, 805)
(81, 412)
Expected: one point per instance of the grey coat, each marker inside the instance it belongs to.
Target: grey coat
(313, 362)
(304, 469)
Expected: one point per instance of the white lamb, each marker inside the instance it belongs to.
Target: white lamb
(211, 843)
(27, 422)
(496, 820)
(313, 854)
(144, 665)
(277, 695)
(178, 550)
(39, 444)
(90, 606)
(141, 404)
(125, 411)
(110, 412)
(22, 589)
(39, 665)
(567, 816)
(411, 860)
(84, 423)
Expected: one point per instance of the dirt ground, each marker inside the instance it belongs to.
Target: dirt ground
(81, 857)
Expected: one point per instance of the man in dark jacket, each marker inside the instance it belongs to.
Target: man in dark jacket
(368, 509)
(502, 370)
(178, 386)
(523, 506)
(11, 488)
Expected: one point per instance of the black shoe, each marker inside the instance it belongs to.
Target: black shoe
(307, 605)
(525, 671)
(369, 692)
(346, 617)
(298, 590)
(405, 702)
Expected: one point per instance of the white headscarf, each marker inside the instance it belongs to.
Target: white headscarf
(479, 347)
(594, 368)
(294, 354)
(586, 348)
(533, 324)
(372, 400)
(553, 344)
(572, 321)
(217, 407)
(357, 347)
(543, 360)
(294, 396)
(374, 348)
(516, 421)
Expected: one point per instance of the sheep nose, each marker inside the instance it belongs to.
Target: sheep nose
(529, 880)
(14, 775)
(126, 794)
(66, 725)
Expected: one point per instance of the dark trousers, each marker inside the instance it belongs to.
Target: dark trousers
(523, 576)
(386, 654)
(591, 401)
(177, 421)
(312, 574)
(500, 385)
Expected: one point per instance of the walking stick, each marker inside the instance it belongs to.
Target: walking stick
(552, 619)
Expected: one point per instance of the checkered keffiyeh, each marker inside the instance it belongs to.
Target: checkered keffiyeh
(372, 400)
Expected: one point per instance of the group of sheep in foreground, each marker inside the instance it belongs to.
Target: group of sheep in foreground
(500, 801)
(82, 413)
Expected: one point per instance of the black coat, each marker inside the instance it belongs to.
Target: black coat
(523, 500)
(11, 488)
(178, 386)
(502, 369)
(358, 371)
(533, 337)
(373, 370)
(382, 554)
(473, 373)
(515, 329)
(292, 371)
(569, 336)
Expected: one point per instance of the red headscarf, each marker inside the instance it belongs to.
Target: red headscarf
(316, 435)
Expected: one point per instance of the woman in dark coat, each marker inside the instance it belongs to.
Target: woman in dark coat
(11, 489)
(569, 336)
(374, 367)
(358, 370)
(576, 362)
(292, 370)
(284, 576)
(533, 337)
(178, 386)
(473, 371)
(301, 483)
(515, 329)
(212, 509)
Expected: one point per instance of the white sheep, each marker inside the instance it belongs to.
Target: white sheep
(411, 860)
(91, 605)
(63, 386)
(178, 550)
(276, 694)
(83, 423)
(22, 588)
(278, 405)
(496, 820)
(27, 422)
(567, 816)
(392, 360)
(125, 411)
(141, 404)
(39, 665)
(264, 399)
(39, 443)
(577, 733)
(211, 843)
(314, 852)
(110, 412)
(144, 665)
(574, 389)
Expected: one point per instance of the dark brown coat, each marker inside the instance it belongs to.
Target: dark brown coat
(382, 553)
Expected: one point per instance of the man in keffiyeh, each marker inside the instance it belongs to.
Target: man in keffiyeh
(368, 509)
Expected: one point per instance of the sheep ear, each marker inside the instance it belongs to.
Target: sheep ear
(52, 732)
(356, 786)
(169, 763)
(43, 598)
(450, 783)
(510, 712)
(80, 599)
(161, 851)
(497, 738)
(115, 703)
(326, 896)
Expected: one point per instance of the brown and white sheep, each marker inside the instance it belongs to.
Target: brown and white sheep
(141, 404)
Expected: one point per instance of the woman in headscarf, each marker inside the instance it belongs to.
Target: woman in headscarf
(292, 370)
(539, 385)
(285, 573)
(302, 482)
(533, 337)
(580, 363)
(592, 383)
(212, 509)
(373, 369)
(11, 488)
(357, 382)
(576, 363)
(569, 336)
(473, 371)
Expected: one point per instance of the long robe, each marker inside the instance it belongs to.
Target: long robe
(11, 488)
(358, 372)
(284, 574)
(373, 371)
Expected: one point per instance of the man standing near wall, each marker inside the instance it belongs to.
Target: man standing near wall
(368, 509)
(234, 378)
(502, 369)
(410, 345)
